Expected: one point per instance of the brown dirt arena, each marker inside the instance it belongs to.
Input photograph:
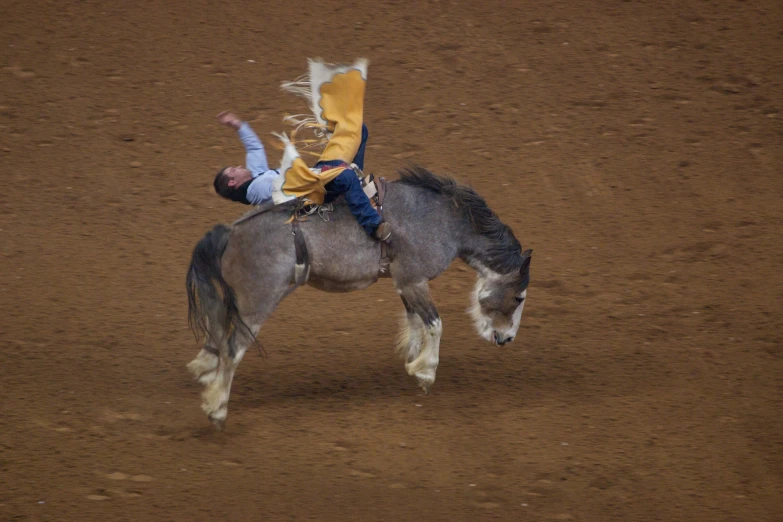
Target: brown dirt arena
(636, 146)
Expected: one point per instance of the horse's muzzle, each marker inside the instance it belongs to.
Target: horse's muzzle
(501, 342)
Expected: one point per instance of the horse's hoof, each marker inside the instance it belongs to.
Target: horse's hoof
(217, 416)
(425, 383)
(219, 424)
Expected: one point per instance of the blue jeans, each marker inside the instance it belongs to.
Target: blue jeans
(359, 158)
(347, 185)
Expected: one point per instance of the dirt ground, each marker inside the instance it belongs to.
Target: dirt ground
(635, 146)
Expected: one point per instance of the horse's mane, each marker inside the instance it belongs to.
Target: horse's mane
(504, 253)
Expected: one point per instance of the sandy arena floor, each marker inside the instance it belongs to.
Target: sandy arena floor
(636, 146)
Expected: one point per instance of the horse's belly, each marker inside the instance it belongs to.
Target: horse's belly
(329, 285)
(351, 267)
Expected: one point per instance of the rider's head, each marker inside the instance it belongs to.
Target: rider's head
(229, 179)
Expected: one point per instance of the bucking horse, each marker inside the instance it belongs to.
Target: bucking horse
(240, 273)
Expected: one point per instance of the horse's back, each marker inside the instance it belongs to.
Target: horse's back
(341, 256)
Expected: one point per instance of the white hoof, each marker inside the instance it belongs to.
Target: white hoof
(216, 412)
(423, 368)
(217, 417)
(425, 380)
(215, 401)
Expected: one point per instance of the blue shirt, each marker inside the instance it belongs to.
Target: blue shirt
(260, 189)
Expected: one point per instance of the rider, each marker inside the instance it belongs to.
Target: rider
(252, 184)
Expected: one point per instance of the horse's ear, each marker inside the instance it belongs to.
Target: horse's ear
(526, 256)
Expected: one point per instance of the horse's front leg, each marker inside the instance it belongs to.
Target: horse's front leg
(422, 333)
(412, 334)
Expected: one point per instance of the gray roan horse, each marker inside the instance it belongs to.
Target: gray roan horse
(239, 274)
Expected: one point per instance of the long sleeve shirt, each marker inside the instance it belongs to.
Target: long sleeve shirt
(260, 189)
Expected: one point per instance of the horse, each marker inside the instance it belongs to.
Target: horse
(239, 274)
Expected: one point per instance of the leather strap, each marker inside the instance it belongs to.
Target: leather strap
(380, 185)
(302, 268)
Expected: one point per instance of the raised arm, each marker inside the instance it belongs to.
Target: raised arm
(256, 155)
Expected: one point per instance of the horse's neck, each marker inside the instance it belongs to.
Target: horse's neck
(474, 251)
(487, 256)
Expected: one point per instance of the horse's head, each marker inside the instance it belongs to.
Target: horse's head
(498, 301)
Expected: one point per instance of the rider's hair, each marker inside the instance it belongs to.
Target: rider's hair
(221, 184)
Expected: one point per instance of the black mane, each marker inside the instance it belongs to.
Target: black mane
(503, 255)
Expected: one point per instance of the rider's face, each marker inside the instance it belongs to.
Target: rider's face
(237, 176)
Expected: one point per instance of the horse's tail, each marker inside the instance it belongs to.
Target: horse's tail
(212, 304)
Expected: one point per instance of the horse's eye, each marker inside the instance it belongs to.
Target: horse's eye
(519, 299)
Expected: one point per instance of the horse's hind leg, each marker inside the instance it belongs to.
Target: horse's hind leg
(422, 335)
(218, 388)
(216, 363)
(221, 368)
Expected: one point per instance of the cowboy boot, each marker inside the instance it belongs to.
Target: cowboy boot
(383, 232)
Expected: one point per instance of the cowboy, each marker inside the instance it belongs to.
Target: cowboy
(253, 183)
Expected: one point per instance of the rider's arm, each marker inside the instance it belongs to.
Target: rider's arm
(255, 160)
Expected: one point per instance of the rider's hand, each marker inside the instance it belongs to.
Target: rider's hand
(229, 119)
